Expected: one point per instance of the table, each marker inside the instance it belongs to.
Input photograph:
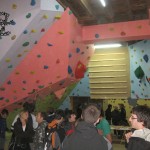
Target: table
(124, 128)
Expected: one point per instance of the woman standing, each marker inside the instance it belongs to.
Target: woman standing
(23, 132)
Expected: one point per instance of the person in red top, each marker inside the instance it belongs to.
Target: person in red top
(70, 117)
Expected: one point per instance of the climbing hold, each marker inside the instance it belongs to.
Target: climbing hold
(24, 82)
(49, 44)
(33, 31)
(25, 44)
(10, 66)
(70, 12)
(57, 61)
(32, 72)
(70, 55)
(6, 100)
(96, 35)
(39, 56)
(60, 32)
(19, 55)
(33, 2)
(12, 22)
(2, 89)
(42, 30)
(45, 16)
(7, 60)
(9, 82)
(25, 31)
(13, 37)
(111, 29)
(26, 50)
(139, 27)
(46, 67)
(57, 7)
(146, 58)
(14, 6)
(28, 15)
(122, 33)
(1, 98)
(35, 42)
(41, 86)
(77, 50)
(37, 81)
(58, 16)
(69, 70)
(17, 73)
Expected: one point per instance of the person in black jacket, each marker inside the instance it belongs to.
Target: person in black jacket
(108, 113)
(140, 121)
(23, 132)
(85, 136)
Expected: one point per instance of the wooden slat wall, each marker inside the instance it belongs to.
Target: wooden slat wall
(109, 74)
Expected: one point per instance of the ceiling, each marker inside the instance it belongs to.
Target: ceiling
(91, 12)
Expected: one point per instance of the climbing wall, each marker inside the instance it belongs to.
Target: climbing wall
(140, 70)
(34, 67)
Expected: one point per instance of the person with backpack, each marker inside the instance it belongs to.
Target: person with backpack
(55, 132)
(39, 137)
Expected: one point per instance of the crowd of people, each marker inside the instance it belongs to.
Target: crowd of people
(61, 130)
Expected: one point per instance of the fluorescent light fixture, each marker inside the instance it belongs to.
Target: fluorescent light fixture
(103, 3)
(107, 45)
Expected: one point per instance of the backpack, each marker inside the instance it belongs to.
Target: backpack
(49, 131)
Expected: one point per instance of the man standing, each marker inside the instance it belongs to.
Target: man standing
(86, 136)
(39, 137)
(140, 121)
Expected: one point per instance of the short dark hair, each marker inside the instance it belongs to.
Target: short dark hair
(59, 114)
(68, 114)
(91, 113)
(4, 111)
(143, 114)
(43, 115)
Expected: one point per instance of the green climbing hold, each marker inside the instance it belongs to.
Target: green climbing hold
(25, 44)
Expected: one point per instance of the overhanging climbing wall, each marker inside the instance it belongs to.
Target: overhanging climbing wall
(109, 74)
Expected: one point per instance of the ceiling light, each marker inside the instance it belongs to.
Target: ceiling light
(103, 3)
(107, 45)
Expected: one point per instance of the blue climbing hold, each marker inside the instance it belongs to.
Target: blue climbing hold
(69, 70)
(77, 50)
(146, 58)
(33, 2)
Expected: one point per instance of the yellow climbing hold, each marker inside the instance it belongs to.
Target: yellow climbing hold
(32, 72)
(7, 59)
(60, 32)
(58, 16)
(14, 6)
(33, 31)
(45, 16)
(26, 50)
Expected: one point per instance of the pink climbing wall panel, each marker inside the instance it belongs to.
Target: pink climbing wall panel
(123, 31)
(45, 64)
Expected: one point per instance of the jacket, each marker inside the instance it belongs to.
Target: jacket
(39, 137)
(85, 137)
(140, 140)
